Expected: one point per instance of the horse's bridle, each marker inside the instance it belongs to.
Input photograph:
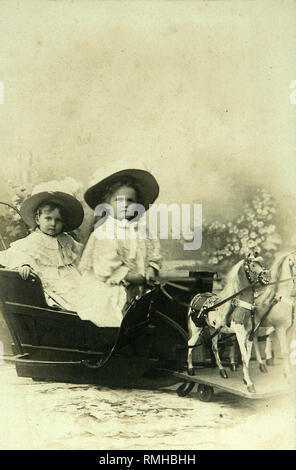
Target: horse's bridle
(248, 270)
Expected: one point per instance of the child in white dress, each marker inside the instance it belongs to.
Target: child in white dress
(116, 264)
(49, 251)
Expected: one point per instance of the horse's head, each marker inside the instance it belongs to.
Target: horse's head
(254, 269)
(291, 259)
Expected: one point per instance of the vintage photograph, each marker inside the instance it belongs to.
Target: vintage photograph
(147, 225)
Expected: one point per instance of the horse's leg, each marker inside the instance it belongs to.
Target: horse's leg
(268, 350)
(245, 347)
(222, 371)
(232, 356)
(262, 366)
(282, 336)
(249, 347)
(195, 334)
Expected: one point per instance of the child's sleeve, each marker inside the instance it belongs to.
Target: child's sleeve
(6, 258)
(77, 248)
(154, 257)
(86, 261)
(103, 258)
(18, 255)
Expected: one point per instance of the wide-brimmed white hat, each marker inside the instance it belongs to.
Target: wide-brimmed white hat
(146, 184)
(71, 205)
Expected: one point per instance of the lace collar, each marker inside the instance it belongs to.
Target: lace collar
(51, 243)
(58, 250)
(114, 228)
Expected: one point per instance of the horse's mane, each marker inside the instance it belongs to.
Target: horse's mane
(232, 284)
(232, 280)
(275, 273)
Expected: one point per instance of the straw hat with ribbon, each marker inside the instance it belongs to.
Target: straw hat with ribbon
(104, 178)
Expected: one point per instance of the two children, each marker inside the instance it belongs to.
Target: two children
(116, 264)
(49, 251)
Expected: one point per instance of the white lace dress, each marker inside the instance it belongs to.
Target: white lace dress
(53, 259)
(105, 263)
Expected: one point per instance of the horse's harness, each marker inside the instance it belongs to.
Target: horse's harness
(201, 304)
(210, 303)
(199, 309)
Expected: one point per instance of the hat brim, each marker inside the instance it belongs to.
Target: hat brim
(146, 183)
(71, 205)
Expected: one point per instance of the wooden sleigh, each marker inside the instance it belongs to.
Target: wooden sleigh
(148, 350)
(52, 344)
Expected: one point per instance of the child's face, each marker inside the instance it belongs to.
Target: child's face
(50, 221)
(121, 200)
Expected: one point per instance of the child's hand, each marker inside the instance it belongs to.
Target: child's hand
(151, 276)
(25, 271)
(135, 279)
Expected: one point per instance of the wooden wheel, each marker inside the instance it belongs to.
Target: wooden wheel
(205, 392)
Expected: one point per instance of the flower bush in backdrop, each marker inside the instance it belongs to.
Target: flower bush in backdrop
(224, 244)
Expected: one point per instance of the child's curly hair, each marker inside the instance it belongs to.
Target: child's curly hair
(52, 206)
(129, 182)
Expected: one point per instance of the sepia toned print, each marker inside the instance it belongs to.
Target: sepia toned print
(178, 330)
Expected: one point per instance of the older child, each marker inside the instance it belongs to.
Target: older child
(49, 251)
(117, 263)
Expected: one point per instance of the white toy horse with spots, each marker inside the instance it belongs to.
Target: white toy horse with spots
(230, 317)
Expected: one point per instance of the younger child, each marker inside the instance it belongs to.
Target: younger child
(116, 263)
(49, 251)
